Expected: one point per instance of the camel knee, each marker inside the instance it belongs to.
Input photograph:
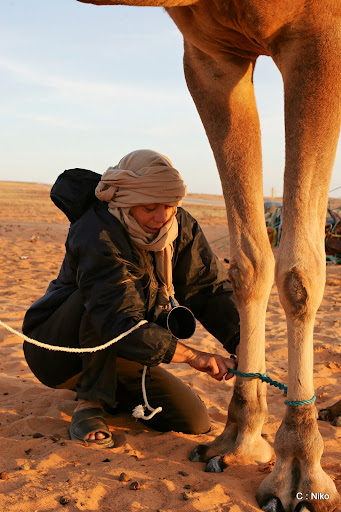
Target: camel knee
(252, 278)
(300, 290)
(295, 292)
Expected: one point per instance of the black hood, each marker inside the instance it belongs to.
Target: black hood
(74, 192)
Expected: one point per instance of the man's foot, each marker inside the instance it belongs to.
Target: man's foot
(86, 404)
(88, 424)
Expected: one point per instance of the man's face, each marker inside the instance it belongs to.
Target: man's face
(151, 217)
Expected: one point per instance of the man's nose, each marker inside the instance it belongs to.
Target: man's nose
(161, 216)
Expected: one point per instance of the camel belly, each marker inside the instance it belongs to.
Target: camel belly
(247, 28)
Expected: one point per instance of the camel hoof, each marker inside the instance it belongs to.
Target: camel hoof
(215, 465)
(199, 454)
(304, 506)
(274, 505)
(337, 422)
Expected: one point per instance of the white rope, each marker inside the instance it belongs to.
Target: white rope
(69, 349)
(138, 411)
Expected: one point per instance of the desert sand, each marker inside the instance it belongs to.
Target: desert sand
(42, 470)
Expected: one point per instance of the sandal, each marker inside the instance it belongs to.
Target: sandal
(90, 421)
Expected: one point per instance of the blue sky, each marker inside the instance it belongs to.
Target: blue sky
(81, 86)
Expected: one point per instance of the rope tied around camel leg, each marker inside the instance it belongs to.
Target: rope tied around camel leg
(139, 410)
(268, 380)
(263, 377)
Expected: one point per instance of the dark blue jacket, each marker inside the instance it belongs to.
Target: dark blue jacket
(96, 248)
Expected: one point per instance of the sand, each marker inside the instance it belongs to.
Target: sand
(43, 467)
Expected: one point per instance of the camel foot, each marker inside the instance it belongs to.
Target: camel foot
(241, 442)
(230, 447)
(279, 493)
(215, 465)
(199, 453)
(297, 482)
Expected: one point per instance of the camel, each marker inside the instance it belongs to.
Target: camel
(222, 40)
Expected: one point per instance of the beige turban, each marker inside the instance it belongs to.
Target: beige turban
(146, 177)
(142, 177)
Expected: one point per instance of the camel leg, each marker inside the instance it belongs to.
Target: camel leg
(312, 81)
(223, 92)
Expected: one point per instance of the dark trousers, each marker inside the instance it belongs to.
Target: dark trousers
(102, 376)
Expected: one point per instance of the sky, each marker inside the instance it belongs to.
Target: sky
(82, 85)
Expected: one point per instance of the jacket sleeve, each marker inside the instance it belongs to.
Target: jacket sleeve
(201, 284)
(113, 300)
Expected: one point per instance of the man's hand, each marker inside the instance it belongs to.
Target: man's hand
(214, 365)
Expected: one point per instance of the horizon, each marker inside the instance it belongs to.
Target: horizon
(265, 197)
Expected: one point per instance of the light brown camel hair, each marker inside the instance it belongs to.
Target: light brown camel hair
(222, 40)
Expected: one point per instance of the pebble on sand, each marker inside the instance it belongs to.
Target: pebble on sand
(134, 486)
(124, 477)
(37, 435)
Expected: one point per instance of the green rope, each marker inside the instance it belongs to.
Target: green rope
(217, 240)
(264, 378)
(302, 402)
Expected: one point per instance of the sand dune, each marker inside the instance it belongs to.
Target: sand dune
(41, 468)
